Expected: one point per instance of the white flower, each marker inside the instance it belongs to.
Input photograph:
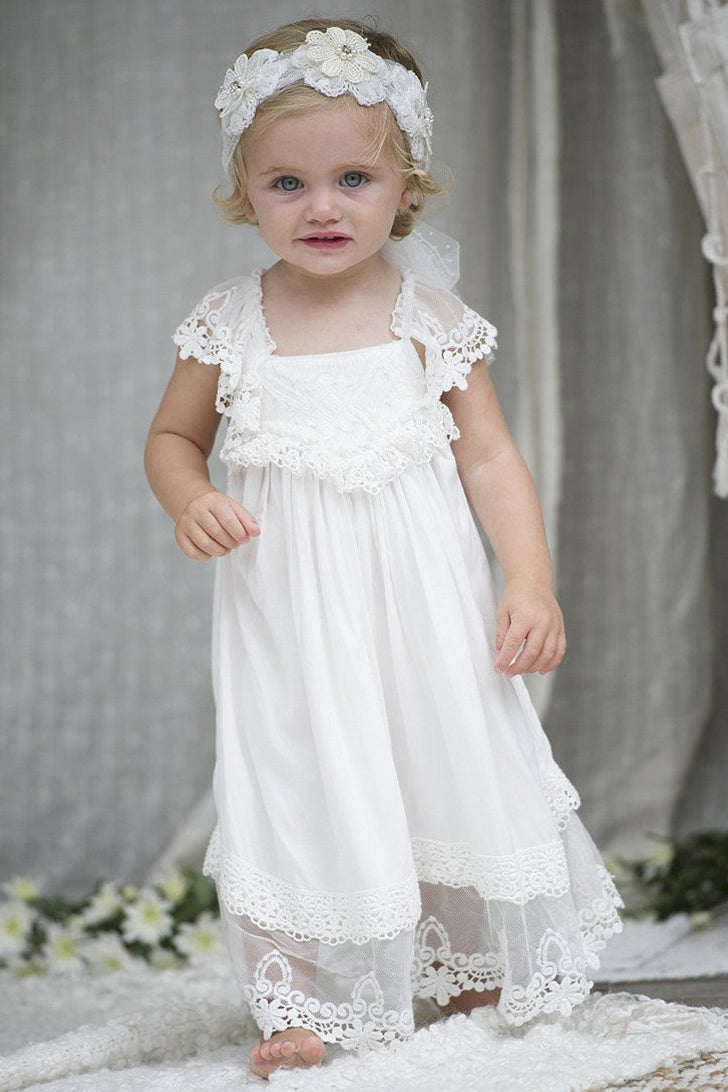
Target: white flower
(63, 949)
(163, 960)
(661, 855)
(16, 919)
(700, 919)
(22, 887)
(338, 52)
(148, 919)
(20, 967)
(412, 112)
(173, 884)
(106, 953)
(130, 891)
(200, 939)
(246, 83)
(103, 904)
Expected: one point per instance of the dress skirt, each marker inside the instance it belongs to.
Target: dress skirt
(391, 822)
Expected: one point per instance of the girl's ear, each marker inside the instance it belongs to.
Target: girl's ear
(249, 211)
(405, 200)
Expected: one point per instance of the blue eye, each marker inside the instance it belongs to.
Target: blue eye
(352, 179)
(283, 186)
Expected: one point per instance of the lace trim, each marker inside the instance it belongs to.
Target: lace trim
(517, 878)
(370, 468)
(561, 795)
(334, 917)
(559, 982)
(328, 916)
(228, 328)
(360, 1024)
(449, 353)
(204, 336)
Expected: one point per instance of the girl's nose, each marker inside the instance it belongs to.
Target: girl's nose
(322, 205)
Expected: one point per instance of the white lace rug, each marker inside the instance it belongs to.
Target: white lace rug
(170, 1030)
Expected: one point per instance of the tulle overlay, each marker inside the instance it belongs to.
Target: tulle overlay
(391, 822)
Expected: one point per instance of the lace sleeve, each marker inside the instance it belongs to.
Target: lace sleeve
(455, 337)
(213, 334)
(206, 333)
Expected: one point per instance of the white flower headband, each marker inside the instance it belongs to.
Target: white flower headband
(334, 62)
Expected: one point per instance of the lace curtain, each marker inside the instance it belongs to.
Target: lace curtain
(580, 242)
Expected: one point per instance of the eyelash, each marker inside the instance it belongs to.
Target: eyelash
(361, 175)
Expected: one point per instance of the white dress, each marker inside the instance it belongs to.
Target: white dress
(391, 822)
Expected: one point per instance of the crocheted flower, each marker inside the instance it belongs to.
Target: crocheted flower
(413, 114)
(246, 83)
(339, 52)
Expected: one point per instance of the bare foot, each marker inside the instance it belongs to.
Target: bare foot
(288, 1048)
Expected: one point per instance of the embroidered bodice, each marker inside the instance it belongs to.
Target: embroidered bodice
(357, 417)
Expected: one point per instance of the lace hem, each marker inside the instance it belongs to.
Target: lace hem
(558, 983)
(361, 1024)
(371, 468)
(516, 878)
(328, 916)
(334, 917)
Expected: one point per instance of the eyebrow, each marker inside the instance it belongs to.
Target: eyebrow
(293, 170)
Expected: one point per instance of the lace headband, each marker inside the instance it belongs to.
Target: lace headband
(334, 62)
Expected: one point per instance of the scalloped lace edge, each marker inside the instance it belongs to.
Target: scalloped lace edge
(412, 443)
(558, 983)
(335, 917)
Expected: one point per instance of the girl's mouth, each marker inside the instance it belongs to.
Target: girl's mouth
(326, 242)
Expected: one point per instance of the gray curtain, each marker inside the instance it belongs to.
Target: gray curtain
(108, 236)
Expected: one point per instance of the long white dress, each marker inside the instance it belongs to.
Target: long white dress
(391, 822)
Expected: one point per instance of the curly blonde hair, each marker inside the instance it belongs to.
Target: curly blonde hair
(386, 136)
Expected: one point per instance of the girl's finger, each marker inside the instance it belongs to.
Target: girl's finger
(238, 523)
(530, 654)
(229, 531)
(206, 542)
(211, 523)
(511, 643)
(189, 549)
(548, 652)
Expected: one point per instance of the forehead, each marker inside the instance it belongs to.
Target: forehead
(339, 130)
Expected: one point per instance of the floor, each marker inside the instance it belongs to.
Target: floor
(687, 991)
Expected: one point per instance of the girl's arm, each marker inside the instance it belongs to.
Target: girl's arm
(501, 490)
(179, 442)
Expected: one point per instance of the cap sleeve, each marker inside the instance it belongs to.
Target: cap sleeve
(213, 333)
(455, 337)
(206, 333)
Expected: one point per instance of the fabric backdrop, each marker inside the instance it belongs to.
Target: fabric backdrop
(581, 243)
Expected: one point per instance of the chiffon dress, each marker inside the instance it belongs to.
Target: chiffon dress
(391, 822)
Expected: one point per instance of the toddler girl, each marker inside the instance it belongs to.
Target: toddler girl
(391, 822)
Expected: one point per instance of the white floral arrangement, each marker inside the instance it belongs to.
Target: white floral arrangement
(168, 924)
(334, 62)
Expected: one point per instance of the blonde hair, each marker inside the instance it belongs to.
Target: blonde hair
(387, 137)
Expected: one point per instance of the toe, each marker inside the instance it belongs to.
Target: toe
(311, 1048)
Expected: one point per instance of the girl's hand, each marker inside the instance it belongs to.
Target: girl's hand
(529, 611)
(213, 523)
